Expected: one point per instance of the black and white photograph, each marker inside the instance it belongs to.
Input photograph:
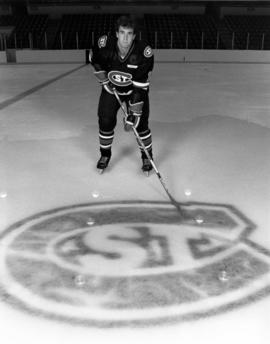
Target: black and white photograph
(134, 171)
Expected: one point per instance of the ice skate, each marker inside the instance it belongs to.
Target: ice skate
(103, 163)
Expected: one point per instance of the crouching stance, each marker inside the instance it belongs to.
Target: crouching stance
(123, 63)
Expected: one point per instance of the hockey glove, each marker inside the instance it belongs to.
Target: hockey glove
(134, 116)
(104, 81)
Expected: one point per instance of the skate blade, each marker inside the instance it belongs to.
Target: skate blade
(146, 173)
(101, 170)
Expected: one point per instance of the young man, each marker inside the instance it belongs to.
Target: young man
(123, 63)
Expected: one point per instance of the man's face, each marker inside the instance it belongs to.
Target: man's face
(125, 37)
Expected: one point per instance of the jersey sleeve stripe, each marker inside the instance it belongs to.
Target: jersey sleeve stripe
(141, 84)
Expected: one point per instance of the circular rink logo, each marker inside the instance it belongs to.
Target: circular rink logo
(132, 263)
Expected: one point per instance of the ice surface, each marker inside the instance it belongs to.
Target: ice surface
(210, 126)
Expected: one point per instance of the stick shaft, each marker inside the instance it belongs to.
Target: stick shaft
(173, 201)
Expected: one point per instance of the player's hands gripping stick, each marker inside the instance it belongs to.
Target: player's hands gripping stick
(134, 115)
(104, 81)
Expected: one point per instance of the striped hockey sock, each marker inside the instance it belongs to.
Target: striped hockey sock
(146, 138)
(105, 141)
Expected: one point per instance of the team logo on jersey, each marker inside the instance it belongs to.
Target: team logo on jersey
(132, 263)
(148, 52)
(120, 78)
(102, 41)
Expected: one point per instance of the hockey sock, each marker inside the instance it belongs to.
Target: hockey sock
(146, 138)
(105, 142)
(144, 156)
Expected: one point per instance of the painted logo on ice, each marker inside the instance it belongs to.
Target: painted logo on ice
(132, 263)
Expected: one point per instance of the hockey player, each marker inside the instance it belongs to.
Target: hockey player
(123, 63)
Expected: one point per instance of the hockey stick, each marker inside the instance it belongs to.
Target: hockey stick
(173, 201)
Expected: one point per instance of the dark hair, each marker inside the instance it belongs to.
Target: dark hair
(125, 21)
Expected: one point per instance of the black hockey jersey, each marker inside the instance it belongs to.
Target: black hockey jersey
(128, 74)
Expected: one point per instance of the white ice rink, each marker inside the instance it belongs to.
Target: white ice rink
(211, 139)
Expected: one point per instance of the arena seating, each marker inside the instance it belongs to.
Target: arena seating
(28, 31)
(164, 31)
(80, 30)
(181, 31)
(8, 20)
(249, 31)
